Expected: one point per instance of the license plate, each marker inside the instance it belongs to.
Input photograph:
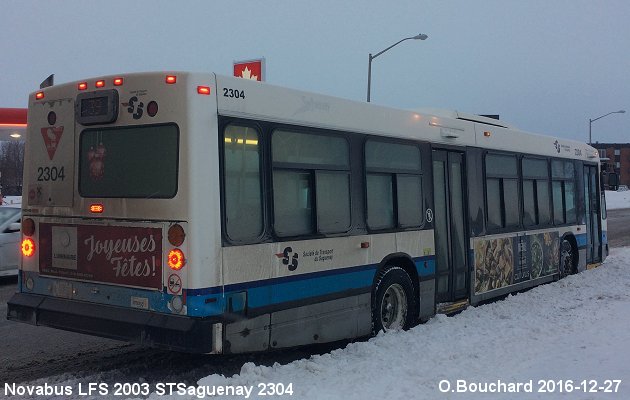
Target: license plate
(62, 289)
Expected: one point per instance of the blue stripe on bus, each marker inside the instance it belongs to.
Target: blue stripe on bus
(213, 301)
(293, 288)
(580, 238)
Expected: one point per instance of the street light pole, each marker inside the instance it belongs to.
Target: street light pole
(590, 122)
(420, 36)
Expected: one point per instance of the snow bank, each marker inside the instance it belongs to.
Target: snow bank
(577, 329)
(615, 200)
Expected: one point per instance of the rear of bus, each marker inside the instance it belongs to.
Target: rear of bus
(110, 182)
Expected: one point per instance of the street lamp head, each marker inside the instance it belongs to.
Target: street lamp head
(371, 57)
(621, 111)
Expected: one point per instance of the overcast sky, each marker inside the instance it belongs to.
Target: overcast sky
(544, 65)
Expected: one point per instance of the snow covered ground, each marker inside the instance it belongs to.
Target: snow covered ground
(615, 200)
(576, 330)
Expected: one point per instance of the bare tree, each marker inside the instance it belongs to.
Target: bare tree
(11, 167)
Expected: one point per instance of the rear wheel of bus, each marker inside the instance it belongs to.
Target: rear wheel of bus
(567, 258)
(393, 302)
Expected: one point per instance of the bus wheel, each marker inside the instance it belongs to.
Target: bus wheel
(393, 304)
(566, 259)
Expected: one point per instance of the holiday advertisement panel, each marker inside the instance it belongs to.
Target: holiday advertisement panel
(130, 256)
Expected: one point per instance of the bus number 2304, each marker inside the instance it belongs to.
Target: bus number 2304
(45, 174)
(234, 93)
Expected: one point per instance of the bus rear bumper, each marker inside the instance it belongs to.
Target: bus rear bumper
(173, 332)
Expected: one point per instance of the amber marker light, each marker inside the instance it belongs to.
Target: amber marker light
(82, 85)
(28, 247)
(100, 84)
(176, 259)
(118, 81)
(39, 95)
(96, 208)
(171, 79)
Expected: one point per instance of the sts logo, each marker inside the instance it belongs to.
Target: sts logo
(557, 145)
(289, 258)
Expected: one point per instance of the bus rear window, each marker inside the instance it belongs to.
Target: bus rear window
(129, 162)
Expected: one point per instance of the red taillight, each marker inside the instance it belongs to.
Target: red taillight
(28, 227)
(39, 95)
(96, 208)
(100, 84)
(176, 235)
(203, 90)
(176, 259)
(118, 81)
(82, 86)
(170, 79)
(28, 247)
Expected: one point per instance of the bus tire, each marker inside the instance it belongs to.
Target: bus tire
(393, 304)
(567, 261)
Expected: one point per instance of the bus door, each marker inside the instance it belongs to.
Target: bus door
(450, 230)
(592, 208)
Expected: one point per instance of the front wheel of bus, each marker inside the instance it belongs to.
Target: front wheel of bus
(393, 305)
(567, 265)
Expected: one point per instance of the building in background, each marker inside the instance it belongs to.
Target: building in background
(615, 159)
(12, 131)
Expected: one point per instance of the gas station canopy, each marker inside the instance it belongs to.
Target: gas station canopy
(12, 123)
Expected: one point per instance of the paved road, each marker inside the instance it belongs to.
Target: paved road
(619, 227)
(28, 353)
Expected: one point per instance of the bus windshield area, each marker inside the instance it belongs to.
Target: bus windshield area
(129, 162)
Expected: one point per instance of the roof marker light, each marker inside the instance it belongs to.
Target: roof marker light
(100, 84)
(203, 90)
(39, 95)
(118, 81)
(82, 86)
(170, 79)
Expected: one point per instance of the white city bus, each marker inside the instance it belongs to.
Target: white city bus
(213, 214)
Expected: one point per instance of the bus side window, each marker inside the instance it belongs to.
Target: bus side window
(502, 192)
(311, 183)
(393, 185)
(243, 200)
(563, 175)
(536, 210)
